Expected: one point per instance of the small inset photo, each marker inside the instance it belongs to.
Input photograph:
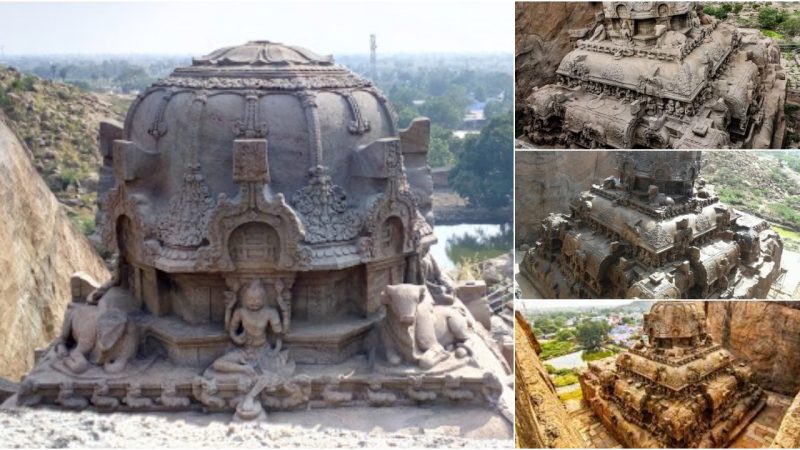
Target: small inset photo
(657, 224)
(670, 374)
(681, 75)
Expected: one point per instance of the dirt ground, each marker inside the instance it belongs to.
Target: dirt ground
(441, 427)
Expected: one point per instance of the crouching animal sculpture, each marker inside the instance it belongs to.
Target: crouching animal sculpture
(418, 331)
(102, 334)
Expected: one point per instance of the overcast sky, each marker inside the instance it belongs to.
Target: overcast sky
(328, 27)
(532, 305)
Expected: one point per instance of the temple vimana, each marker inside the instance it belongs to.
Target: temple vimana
(653, 230)
(661, 75)
(272, 228)
(679, 389)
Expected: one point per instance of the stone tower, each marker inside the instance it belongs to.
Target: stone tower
(654, 231)
(662, 75)
(679, 389)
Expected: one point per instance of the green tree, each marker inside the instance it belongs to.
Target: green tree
(720, 11)
(484, 171)
(565, 334)
(770, 17)
(791, 26)
(544, 325)
(591, 333)
(444, 111)
(440, 154)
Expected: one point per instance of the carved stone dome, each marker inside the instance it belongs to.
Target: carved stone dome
(310, 110)
(675, 323)
(306, 149)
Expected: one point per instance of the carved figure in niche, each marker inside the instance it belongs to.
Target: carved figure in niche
(249, 327)
(100, 335)
(417, 331)
(625, 30)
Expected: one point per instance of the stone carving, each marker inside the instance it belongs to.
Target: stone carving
(358, 125)
(249, 326)
(249, 127)
(323, 205)
(675, 241)
(680, 389)
(228, 297)
(99, 334)
(185, 222)
(418, 331)
(661, 70)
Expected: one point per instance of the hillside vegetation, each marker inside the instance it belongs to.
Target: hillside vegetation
(58, 123)
(766, 184)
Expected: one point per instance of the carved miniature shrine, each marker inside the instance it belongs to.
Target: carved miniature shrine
(679, 389)
(272, 227)
(654, 231)
(662, 75)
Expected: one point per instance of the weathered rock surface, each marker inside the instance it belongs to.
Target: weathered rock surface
(7, 389)
(541, 421)
(498, 269)
(789, 432)
(542, 39)
(39, 250)
(546, 181)
(766, 333)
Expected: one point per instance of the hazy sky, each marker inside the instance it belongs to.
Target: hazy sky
(531, 305)
(328, 27)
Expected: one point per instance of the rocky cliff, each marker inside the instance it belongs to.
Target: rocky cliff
(542, 39)
(788, 435)
(541, 421)
(546, 181)
(766, 333)
(39, 250)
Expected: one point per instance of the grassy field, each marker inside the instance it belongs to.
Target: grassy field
(791, 238)
(553, 348)
(594, 355)
(575, 394)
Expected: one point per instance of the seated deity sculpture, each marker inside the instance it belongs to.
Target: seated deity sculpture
(249, 326)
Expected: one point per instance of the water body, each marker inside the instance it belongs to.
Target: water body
(470, 241)
(568, 361)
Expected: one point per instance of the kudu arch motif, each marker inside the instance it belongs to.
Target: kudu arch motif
(260, 207)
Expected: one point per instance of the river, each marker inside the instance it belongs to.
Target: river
(470, 241)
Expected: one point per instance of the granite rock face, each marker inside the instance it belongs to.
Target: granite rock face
(546, 181)
(542, 39)
(41, 249)
(767, 334)
(789, 432)
(541, 420)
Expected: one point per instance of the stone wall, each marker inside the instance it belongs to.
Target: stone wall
(766, 333)
(789, 432)
(542, 39)
(546, 181)
(39, 250)
(541, 421)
